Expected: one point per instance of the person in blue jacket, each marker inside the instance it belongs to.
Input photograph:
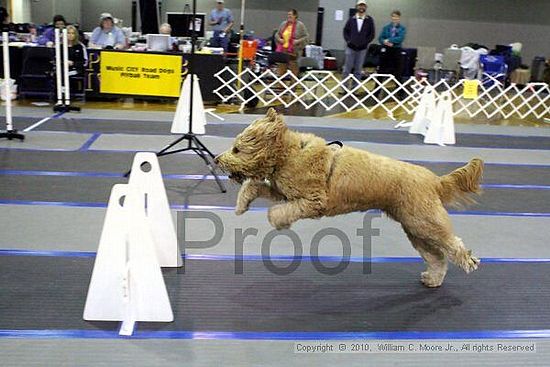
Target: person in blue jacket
(393, 34)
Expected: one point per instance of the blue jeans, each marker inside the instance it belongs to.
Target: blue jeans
(354, 61)
(218, 41)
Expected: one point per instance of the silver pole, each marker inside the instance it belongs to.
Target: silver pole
(66, 87)
(7, 78)
(58, 70)
(243, 2)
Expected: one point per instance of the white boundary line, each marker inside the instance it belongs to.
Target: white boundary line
(38, 123)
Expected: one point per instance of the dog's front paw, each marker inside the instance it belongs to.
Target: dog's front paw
(241, 209)
(277, 218)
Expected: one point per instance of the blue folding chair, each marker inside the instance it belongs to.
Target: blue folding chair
(494, 69)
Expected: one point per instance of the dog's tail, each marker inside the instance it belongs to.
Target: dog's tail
(457, 187)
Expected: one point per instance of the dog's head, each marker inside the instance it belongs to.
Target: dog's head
(257, 151)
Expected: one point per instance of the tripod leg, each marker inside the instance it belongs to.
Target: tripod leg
(164, 150)
(203, 147)
(210, 168)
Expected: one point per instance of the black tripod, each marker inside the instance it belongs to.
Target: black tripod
(195, 145)
(193, 142)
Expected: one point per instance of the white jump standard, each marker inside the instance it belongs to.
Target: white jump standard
(10, 132)
(62, 71)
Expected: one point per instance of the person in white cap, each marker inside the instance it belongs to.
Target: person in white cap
(107, 35)
(358, 33)
(222, 21)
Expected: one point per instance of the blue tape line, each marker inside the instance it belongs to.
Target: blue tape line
(277, 335)
(252, 209)
(289, 258)
(193, 177)
(90, 254)
(152, 151)
(12, 172)
(515, 187)
(50, 253)
(53, 203)
(499, 214)
(208, 177)
(377, 335)
(89, 142)
(38, 150)
(69, 204)
(60, 173)
(462, 163)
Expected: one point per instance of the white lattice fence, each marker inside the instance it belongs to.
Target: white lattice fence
(380, 91)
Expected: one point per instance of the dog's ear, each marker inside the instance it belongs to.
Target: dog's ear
(271, 114)
(275, 120)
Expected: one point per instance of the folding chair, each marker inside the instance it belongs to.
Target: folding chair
(494, 69)
(450, 64)
(425, 62)
(425, 58)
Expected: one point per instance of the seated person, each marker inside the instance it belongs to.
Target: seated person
(107, 35)
(48, 36)
(78, 56)
(33, 34)
(166, 28)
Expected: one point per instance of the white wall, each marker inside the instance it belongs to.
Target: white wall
(42, 11)
(438, 23)
(441, 23)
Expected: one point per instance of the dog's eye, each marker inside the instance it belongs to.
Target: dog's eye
(235, 150)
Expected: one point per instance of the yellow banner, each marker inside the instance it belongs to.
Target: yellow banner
(140, 74)
(470, 89)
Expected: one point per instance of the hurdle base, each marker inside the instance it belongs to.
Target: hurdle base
(65, 108)
(11, 135)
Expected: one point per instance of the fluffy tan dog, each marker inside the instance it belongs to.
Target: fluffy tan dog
(310, 179)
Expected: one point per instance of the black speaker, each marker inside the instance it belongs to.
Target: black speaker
(148, 10)
(160, 12)
(134, 16)
(320, 18)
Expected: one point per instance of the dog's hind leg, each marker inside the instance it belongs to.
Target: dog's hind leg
(436, 263)
(430, 231)
(252, 189)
